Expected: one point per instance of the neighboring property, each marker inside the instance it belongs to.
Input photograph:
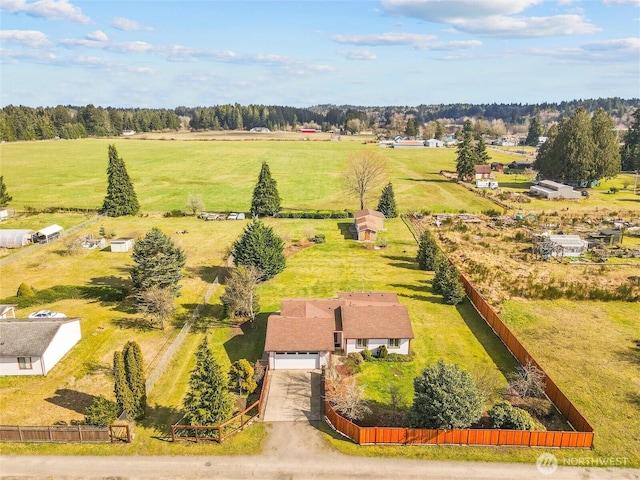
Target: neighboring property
(487, 183)
(548, 246)
(482, 171)
(128, 133)
(408, 144)
(497, 167)
(366, 224)
(305, 332)
(553, 190)
(122, 244)
(15, 238)
(434, 143)
(48, 234)
(35, 346)
(4, 214)
(7, 311)
(260, 130)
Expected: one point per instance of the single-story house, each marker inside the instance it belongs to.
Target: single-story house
(305, 332)
(551, 189)
(47, 234)
(366, 224)
(122, 244)
(15, 238)
(482, 171)
(7, 311)
(497, 167)
(571, 245)
(434, 143)
(35, 346)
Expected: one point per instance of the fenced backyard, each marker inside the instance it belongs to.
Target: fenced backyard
(582, 437)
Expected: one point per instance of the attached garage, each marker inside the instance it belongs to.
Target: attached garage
(296, 360)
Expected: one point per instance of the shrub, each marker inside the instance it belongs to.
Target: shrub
(538, 407)
(101, 412)
(351, 366)
(383, 353)
(356, 357)
(174, 213)
(258, 371)
(366, 355)
(504, 415)
(492, 212)
(318, 238)
(25, 290)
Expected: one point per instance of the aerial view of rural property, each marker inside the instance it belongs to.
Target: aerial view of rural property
(320, 239)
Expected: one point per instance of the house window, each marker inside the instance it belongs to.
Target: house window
(394, 343)
(361, 343)
(24, 363)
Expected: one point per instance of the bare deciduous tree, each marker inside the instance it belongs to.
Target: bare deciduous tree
(345, 395)
(367, 171)
(157, 305)
(528, 381)
(240, 298)
(195, 203)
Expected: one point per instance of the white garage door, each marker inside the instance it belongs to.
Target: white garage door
(297, 361)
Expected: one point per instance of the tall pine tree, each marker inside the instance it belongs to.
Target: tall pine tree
(121, 388)
(534, 133)
(121, 198)
(482, 156)
(467, 157)
(387, 204)
(265, 200)
(157, 262)
(631, 149)
(427, 251)
(134, 371)
(207, 402)
(607, 151)
(260, 247)
(5, 198)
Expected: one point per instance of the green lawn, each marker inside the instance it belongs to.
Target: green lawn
(164, 173)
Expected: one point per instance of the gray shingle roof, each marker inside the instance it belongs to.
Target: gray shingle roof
(28, 337)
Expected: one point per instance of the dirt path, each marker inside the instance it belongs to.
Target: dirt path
(292, 451)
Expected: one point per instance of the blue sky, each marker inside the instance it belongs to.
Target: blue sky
(302, 53)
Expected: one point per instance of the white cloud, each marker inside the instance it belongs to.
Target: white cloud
(622, 2)
(49, 9)
(383, 39)
(362, 54)
(97, 36)
(30, 38)
(614, 50)
(493, 18)
(128, 25)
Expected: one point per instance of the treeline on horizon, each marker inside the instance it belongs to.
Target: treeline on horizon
(69, 122)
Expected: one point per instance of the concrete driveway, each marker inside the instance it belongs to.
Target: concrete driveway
(293, 396)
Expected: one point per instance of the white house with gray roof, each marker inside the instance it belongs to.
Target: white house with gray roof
(34, 346)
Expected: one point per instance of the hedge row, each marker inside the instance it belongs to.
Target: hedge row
(319, 214)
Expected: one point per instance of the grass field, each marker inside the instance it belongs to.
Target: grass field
(164, 173)
(598, 358)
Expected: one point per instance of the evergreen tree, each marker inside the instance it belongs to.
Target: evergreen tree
(467, 157)
(534, 133)
(265, 200)
(412, 128)
(207, 402)
(631, 149)
(157, 262)
(482, 156)
(387, 204)
(121, 388)
(134, 371)
(260, 247)
(121, 198)
(5, 198)
(440, 131)
(101, 412)
(583, 150)
(607, 155)
(445, 397)
(427, 251)
(440, 271)
(451, 288)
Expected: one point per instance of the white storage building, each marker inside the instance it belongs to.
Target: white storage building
(15, 238)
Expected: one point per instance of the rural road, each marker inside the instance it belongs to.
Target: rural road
(293, 450)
